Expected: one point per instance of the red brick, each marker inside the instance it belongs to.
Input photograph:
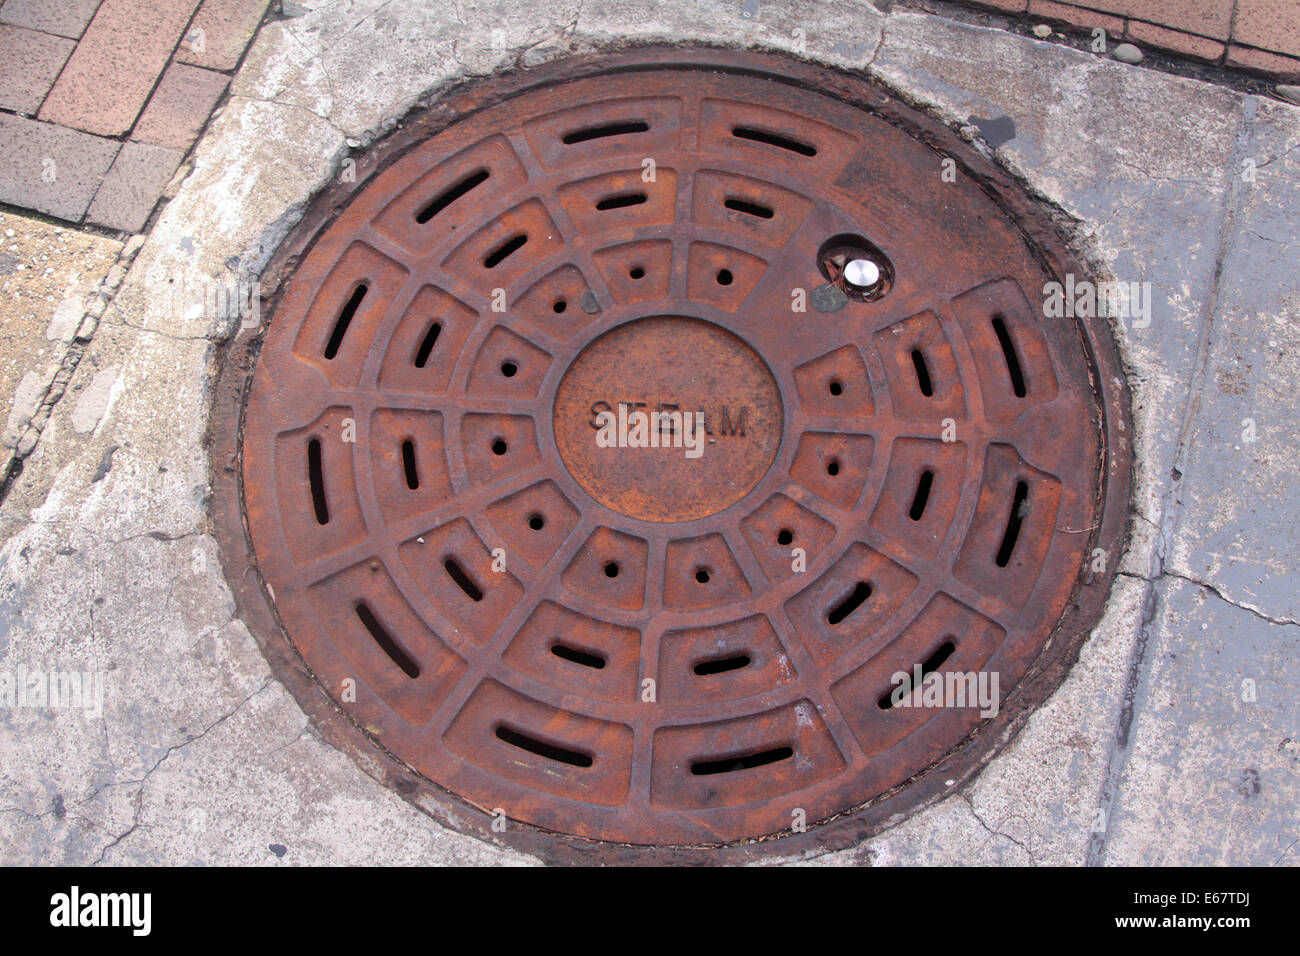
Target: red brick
(227, 27)
(1270, 24)
(1198, 47)
(1013, 6)
(1210, 18)
(1283, 67)
(132, 187)
(1076, 16)
(179, 107)
(50, 168)
(111, 73)
(66, 18)
(31, 63)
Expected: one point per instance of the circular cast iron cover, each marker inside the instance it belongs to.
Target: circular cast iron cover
(648, 645)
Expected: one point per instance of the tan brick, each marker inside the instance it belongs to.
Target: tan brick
(179, 107)
(224, 29)
(1186, 44)
(1076, 16)
(49, 168)
(132, 187)
(1210, 18)
(115, 66)
(1248, 58)
(1011, 6)
(67, 18)
(1269, 24)
(31, 63)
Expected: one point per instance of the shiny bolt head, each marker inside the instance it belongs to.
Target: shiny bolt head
(862, 273)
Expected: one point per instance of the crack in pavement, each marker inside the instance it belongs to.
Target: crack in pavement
(1273, 159)
(1283, 621)
(143, 781)
(975, 813)
(1213, 589)
(123, 324)
(157, 536)
(1168, 179)
(1284, 852)
(327, 120)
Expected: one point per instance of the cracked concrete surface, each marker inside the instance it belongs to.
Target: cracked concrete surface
(1174, 740)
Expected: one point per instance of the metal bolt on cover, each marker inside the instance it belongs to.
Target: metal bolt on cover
(487, 568)
(863, 273)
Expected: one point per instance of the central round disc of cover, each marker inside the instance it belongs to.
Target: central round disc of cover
(668, 419)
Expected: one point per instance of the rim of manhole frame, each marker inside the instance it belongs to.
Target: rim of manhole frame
(1042, 231)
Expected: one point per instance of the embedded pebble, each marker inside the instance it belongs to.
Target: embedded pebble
(1128, 53)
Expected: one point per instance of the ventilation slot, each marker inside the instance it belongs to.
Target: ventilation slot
(427, 344)
(621, 201)
(928, 666)
(386, 642)
(575, 656)
(704, 768)
(345, 319)
(505, 250)
(463, 580)
(1018, 511)
(443, 200)
(408, 465)
(515, 739)
(316, 475)
(922, 373)
(861, 591)
(774, 139)
(1009, 353)
(749, 208)
(721, 665)
(601, 132)
(922, 495)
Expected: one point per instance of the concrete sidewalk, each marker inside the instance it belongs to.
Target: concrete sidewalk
(1174, 740)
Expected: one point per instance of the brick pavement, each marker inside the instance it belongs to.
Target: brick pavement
(1259, 36)
(101, 100)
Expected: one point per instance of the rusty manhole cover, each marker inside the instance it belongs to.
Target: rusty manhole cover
(877, 458)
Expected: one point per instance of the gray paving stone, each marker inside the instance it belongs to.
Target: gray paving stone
(1212, 775)
(1238, 519)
